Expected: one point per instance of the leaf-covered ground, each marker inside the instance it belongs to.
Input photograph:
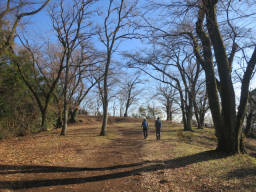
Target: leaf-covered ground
(123, 160)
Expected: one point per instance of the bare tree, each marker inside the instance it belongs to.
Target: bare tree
(153, 112)
(118, 17)
(114, 107)
(113, 80)
(82, 91)
(15, 10)
(46, 75)
(82, 80)
(130, 92)
(209, 47)
(200, 105)
(167, 95)
(142, 112)
(121, 100)
(228, 122)
(167, 61)
(227, 118)
(69, 25)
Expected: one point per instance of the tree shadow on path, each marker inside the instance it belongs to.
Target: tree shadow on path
(13, 169)
(147, 166)
(242, 173)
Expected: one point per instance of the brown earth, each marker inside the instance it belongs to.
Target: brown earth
(122, 161)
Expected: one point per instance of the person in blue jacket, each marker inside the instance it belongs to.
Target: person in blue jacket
(144, 125)
(158, 125)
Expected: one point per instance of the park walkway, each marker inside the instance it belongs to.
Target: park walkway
(122, 161)
(80, 161)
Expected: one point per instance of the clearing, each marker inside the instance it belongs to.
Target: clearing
(123, 160)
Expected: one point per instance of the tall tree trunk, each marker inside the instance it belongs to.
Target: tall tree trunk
(228, 140)
(189, 112)
(197, 115)
(199, 125)
(168, 110)
(170, 116)
(189, 123)
(105, 96)
(184, 119)
(128, 102)
(211, 83)
(120, 111)
(105, 118)
(183, 110)
(72, 114)
(227, 121)
(126, 109)
(59, 121)
(43, 120)
(243, 102)
(248, 124)
(65, 120)
(201, 120)
(189, 115)
(65, 110)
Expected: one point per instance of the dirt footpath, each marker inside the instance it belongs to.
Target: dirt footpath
(122, 161)
(81, 161)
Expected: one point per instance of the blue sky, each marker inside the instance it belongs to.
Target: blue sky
(40, 29)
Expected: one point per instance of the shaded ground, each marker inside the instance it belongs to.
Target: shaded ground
(123, 161)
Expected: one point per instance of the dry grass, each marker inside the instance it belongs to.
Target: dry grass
(123, 160)
(192, 165)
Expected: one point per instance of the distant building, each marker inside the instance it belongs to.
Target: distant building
(250, 128)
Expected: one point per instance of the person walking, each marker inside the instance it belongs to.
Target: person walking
(158, 125)
(144, 125)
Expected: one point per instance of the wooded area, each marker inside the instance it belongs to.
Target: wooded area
(200, 54)
(191, 63)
